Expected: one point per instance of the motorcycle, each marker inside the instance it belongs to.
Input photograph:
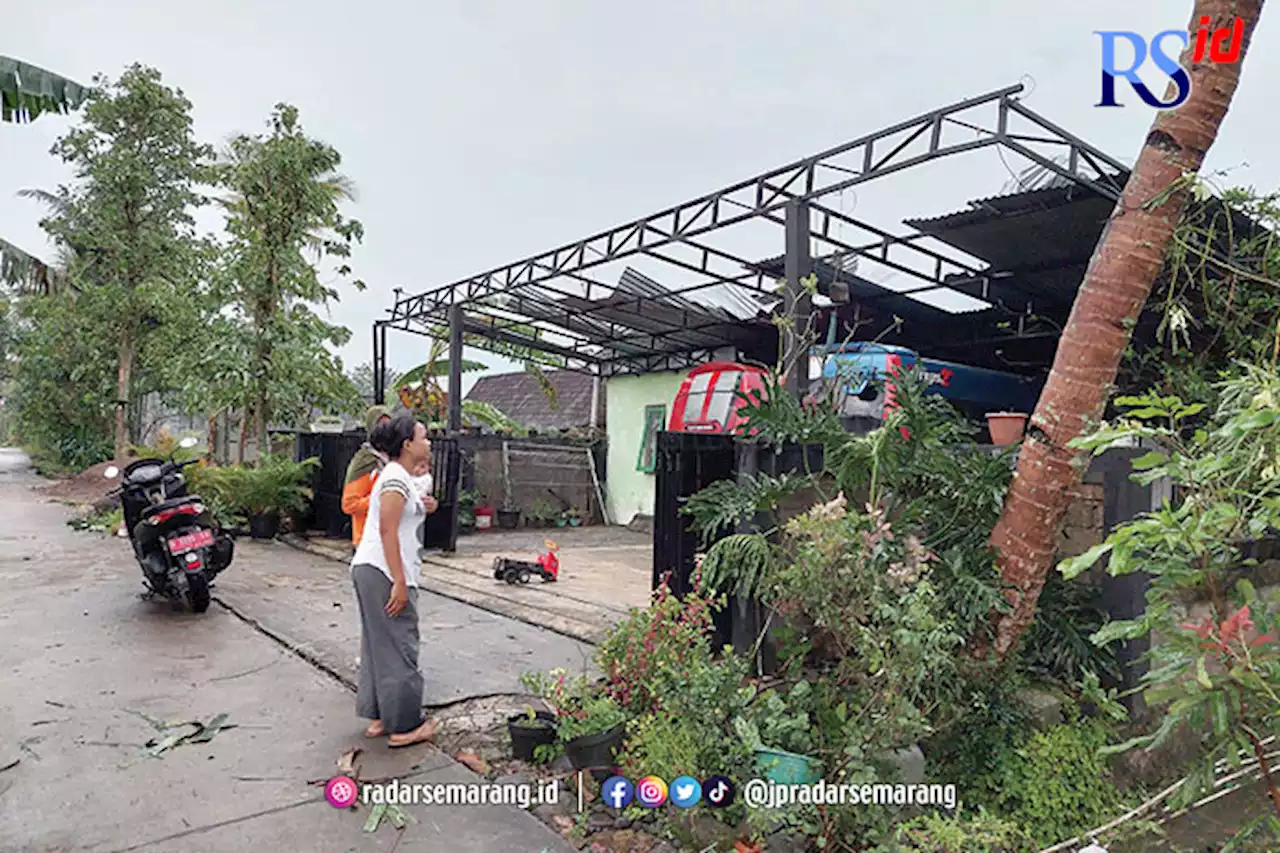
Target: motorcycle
(175, 539)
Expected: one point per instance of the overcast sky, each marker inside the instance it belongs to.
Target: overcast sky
(479, 132)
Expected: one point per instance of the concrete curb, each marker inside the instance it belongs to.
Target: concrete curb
(521, 612)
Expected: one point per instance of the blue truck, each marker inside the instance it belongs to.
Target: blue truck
(860, 370)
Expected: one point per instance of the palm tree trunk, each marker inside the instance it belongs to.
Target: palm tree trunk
(1115, 288)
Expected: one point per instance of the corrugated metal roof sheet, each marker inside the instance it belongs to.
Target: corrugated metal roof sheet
(734, 301)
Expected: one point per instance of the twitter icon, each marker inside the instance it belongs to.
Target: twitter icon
(685, 791)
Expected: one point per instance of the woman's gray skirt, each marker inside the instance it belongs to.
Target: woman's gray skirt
(390, 685)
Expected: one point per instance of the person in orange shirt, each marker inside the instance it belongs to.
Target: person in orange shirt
(362, 472)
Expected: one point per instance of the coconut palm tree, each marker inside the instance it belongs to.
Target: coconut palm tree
(1116, 286)
(27, 92)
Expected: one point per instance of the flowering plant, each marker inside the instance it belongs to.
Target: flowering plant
(666, 638)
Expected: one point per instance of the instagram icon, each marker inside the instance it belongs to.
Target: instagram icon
(651, 792)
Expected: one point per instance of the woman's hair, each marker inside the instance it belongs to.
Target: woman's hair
(390, 436)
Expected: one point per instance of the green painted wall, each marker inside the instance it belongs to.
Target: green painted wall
(630, 492)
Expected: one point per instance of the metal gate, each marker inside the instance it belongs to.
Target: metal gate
(440, 530)
(334, 450)
(686, 464)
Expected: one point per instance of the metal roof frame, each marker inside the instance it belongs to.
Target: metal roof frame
(551, 305)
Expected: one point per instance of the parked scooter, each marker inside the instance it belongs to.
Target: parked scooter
(175, 539)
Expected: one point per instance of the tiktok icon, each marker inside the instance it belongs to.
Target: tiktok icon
(718, 792)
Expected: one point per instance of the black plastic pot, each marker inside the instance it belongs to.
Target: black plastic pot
(508, 519)
(264, 525)
(596, 752)
(527, 735)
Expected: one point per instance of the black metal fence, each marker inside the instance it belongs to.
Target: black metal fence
(686, 464)
(334, 450)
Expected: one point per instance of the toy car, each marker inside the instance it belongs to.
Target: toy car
(511, 570)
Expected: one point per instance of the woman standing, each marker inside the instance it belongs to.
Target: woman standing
(385, 572)
(362, 472)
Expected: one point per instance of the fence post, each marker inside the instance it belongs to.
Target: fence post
(1124, 597)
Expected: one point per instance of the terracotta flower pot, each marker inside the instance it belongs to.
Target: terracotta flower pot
(1006, 427)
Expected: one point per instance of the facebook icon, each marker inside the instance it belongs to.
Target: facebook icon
(617, 791)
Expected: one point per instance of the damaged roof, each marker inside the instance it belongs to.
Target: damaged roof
(520, 396)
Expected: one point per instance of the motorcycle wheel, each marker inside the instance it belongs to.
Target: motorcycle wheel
(198, 592)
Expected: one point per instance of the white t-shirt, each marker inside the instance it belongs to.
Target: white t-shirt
(395, 478)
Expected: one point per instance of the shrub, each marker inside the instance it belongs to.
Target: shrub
(1056, 784)
(660, 639)
(981, 833)
(276, 484)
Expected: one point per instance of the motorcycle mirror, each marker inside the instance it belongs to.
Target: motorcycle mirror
(188, 442)
(111, 473)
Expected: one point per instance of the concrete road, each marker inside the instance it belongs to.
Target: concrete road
(84, 663)
(307, 601)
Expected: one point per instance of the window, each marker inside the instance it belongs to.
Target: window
(724, 399)
(655, 418)
(696, 398)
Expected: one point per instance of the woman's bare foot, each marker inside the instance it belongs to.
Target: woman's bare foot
(375, 729)
(424, 733)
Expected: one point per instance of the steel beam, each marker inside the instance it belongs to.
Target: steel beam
(765, 193)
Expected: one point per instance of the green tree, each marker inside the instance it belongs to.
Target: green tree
(362, 376)
(63, 385)
(127, 219)
(284, 220)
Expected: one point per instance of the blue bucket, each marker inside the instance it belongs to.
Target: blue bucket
(787, 768)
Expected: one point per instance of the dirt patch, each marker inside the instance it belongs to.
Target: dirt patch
(86, 488)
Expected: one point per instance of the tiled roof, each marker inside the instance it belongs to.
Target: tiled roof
(520, 397)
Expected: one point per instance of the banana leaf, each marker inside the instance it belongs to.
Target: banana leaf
(27, 273)
(27, 92)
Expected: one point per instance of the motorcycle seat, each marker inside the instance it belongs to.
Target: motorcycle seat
(169, 504)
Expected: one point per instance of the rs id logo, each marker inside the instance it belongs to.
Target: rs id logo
(1221, 45)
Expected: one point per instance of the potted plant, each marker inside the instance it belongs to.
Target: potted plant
(574, 516)
(276, 485)
(466, 511)
(591, 725)
(484, 512)
(1006, 427)
(508, 516)
(541, 513)
(592, 734)
(778, 751)
(529, 731)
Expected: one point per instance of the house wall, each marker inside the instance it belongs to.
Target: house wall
(630, 492)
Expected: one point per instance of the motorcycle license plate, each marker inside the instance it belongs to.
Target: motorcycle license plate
(190, 541)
